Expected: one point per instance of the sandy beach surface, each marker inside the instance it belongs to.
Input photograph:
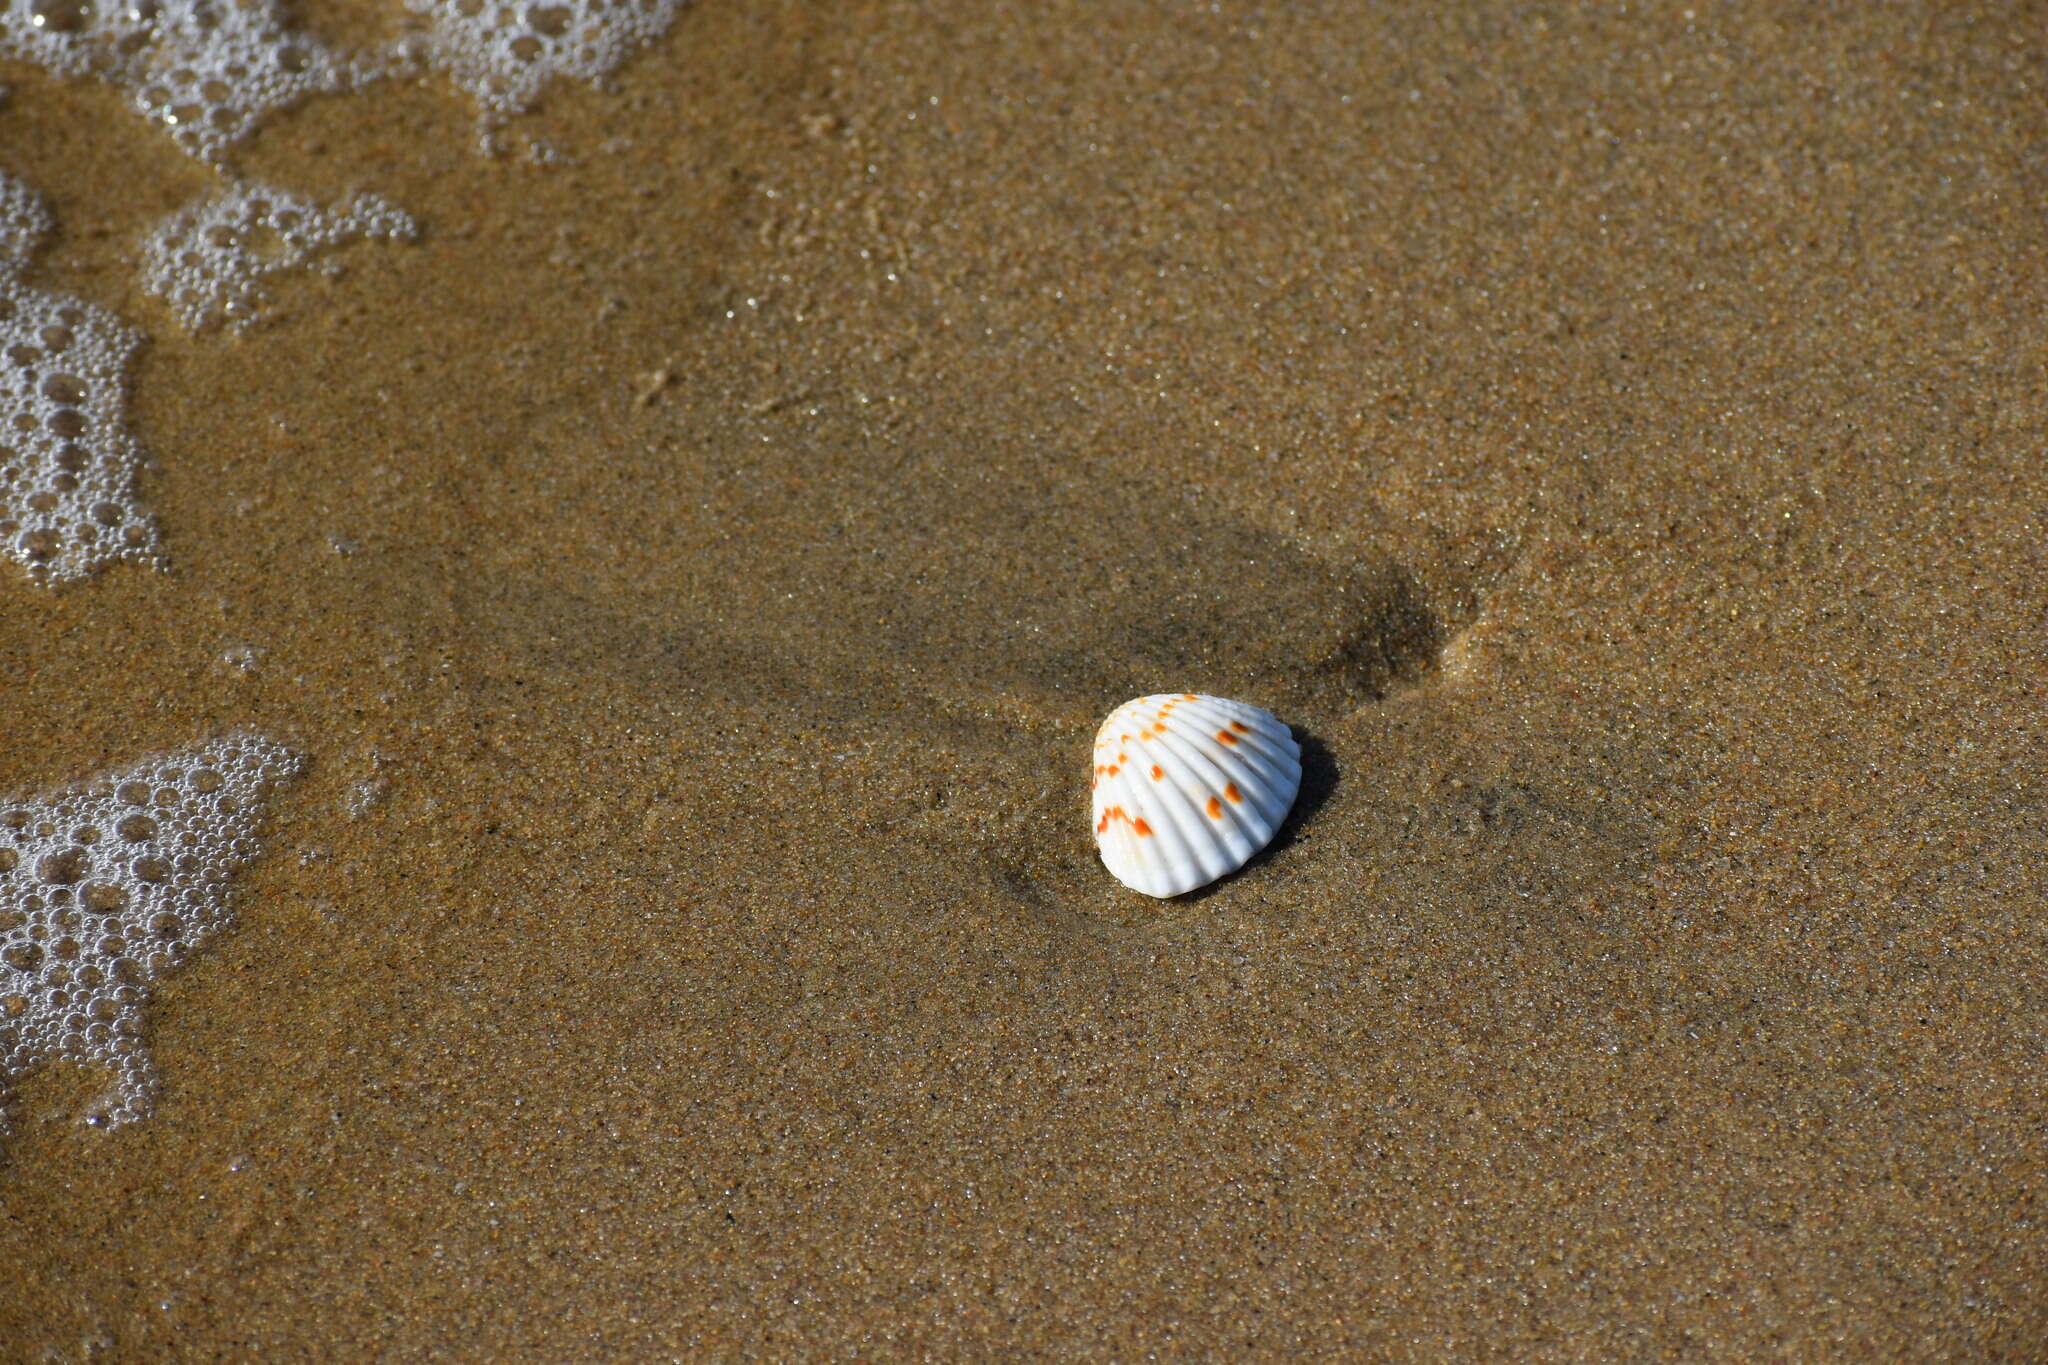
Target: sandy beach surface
(693, 566)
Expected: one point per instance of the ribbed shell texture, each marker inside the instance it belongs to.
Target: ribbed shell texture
(1188, 788)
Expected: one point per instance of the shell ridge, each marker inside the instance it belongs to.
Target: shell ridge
(1240, 772)
(1261, 742)
(1267, 745)
(1192, 756)
(1257, 777)
(1254, 737)
(1256, 766)
(1188, 846)
(1279, 767)
(1190, 823)
(1118, 854)
(1155, 850)
(1273, 781)
(1186, 818)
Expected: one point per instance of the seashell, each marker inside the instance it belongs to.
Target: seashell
(1188, 788)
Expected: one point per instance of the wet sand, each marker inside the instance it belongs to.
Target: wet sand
(693, 571)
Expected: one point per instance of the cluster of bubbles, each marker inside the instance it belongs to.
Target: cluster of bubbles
(106, 885)
(209, 70)
(208, 260)
(206, 70)
(67, 462)
(504, 52)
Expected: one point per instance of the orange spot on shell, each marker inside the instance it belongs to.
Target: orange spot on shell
(1115, 813)
(1230, 790)
(1226, 736)
(1157, 772)
(1240, 727)
(1215, 809)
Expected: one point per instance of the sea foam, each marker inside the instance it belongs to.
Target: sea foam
(106, 885)
(209, 260)
(207, 71)
(67, 460)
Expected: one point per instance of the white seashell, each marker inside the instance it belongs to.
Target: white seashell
(1188, 788)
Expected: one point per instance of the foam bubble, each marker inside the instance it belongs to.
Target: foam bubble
(504, 52)
(67, 461)
(107, 884)
(208, 260)
(209, 71)
(24, 222)
(206, 70)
